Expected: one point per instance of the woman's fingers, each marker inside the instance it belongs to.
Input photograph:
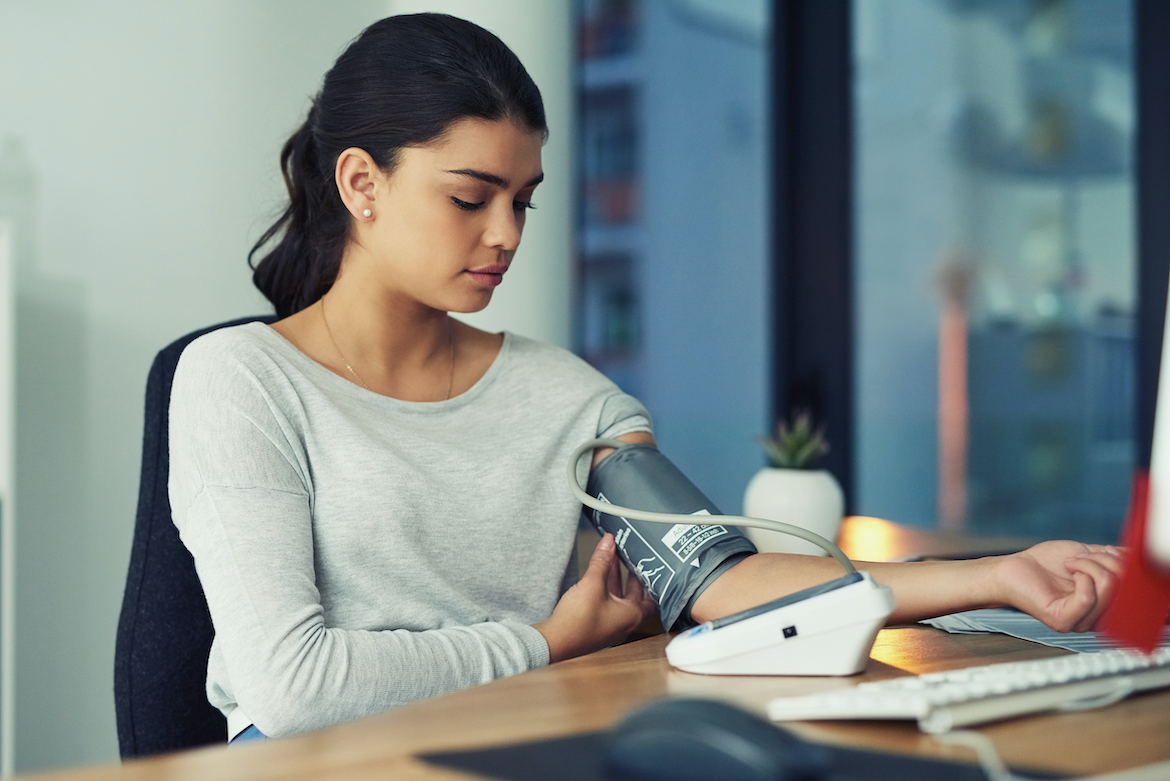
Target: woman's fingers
(634, 590)
(1108, 557)
(1095, 575)
(638, 596)
(605, 569)
(1078, 608)
(601, 561)
(614, 581)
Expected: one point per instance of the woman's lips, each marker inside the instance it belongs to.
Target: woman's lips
(489, 277)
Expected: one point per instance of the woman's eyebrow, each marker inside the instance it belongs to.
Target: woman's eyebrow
(492, 179)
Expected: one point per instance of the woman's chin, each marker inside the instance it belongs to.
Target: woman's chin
(473, 305)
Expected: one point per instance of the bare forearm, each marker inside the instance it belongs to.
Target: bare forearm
(935, 588)
(921, 589)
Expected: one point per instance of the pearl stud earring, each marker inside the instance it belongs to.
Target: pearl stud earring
(366, 212)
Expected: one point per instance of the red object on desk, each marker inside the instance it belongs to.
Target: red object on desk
(1139, 610)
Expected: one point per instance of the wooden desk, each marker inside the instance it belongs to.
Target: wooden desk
(592, 692)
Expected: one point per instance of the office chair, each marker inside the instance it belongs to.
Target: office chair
(164, 632)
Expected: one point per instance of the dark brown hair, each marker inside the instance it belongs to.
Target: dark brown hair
(403, 82)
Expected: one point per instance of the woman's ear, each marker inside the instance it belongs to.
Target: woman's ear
(355, 174)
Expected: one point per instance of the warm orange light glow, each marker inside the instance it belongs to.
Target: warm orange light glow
(869, 539)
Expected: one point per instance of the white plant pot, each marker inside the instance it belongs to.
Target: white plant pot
(810, 499)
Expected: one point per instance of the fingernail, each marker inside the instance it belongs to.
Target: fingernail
(606, 542)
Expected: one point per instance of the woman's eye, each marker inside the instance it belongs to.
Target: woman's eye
(523, 205)
(465, 205)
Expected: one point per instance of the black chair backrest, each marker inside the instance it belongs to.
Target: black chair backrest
(164, 632)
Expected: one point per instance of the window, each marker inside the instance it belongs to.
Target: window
(673, 252)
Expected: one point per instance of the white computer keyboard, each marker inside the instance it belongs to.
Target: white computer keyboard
(973, 695)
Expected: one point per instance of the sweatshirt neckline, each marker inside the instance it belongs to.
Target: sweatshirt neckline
(339, 384)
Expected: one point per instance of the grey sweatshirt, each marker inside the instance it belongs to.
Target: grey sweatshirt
(359, 552)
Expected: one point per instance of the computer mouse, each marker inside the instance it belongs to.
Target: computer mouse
(692, 739)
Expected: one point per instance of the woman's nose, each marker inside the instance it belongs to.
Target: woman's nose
(505, 229)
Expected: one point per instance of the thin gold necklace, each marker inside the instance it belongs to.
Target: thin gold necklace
(358, 377)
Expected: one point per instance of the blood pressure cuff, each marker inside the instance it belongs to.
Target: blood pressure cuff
(674, 562)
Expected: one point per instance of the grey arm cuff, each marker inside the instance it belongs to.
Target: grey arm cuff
(674, 561)
(684, 621)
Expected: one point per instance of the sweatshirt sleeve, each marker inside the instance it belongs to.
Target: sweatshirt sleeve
(241, 497)
(622, 414)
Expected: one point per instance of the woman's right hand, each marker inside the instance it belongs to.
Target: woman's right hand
(1067, 585)
(597, 611)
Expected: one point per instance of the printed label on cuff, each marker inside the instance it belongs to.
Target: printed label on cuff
(684, 539)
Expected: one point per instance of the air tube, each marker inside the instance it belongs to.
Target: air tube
(674, 562)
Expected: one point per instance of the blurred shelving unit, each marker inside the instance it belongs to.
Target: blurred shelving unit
(672, 238)
(610, 235)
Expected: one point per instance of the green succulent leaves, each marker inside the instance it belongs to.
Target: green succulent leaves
(797, 445)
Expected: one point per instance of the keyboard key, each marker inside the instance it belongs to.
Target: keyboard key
(941, 701)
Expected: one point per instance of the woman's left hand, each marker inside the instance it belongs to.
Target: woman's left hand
(1067, 585)
(597, 611)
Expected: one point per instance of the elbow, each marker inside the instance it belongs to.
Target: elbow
(279, 713)
(295, 692)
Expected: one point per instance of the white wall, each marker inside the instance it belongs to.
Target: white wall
(143, 163)
(7, 479)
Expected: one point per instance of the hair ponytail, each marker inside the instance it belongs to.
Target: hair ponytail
(402, 82)
(304, 263)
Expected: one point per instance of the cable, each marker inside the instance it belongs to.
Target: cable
(691, 520)
(995, 770)
(993, 766)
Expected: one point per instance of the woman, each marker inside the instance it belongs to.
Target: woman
(374, 491)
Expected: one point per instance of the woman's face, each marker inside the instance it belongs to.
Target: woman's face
(448, 218)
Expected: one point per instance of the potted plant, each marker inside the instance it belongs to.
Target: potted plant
(793, 490)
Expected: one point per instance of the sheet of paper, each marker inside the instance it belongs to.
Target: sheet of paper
(1013, 622)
